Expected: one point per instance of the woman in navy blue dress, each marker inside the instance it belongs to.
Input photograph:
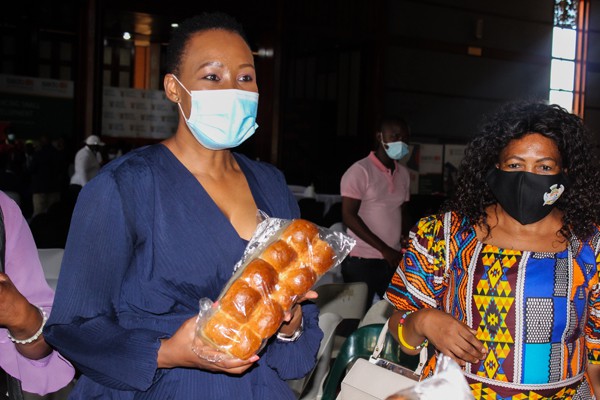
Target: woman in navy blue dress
(162, 227)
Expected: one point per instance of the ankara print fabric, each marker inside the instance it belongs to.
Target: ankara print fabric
(536, 313)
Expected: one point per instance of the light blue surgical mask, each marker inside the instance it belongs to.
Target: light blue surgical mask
(221, 119)
(395, 150)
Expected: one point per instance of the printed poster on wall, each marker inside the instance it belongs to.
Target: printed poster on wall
(410, 162)
(428, 160)
(31, 106)
(137, 113)
(453, 155)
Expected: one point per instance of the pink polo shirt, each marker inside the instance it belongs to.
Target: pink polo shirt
(381, 193)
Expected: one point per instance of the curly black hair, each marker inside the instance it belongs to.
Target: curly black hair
(191, 26)
(513, 121)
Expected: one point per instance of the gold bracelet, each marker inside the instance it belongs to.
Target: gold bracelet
(401, 338)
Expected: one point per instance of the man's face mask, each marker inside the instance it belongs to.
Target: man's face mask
(525, 196)
(395, 150)
(221, 119)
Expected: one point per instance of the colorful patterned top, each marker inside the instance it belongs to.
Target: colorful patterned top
(537, 313)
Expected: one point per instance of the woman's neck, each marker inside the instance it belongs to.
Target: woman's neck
(506, 232)
(198, 159)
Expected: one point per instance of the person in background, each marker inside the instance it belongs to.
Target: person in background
(25, 303)
(162, 227)
(373, 191)
(45, 174)
(88, 162)
(506, 281)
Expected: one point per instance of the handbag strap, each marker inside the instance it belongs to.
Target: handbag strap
(381, 343)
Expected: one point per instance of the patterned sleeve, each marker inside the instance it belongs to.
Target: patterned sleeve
(592, 327)
(419, 279)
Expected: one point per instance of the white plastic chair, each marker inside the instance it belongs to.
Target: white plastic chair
(378, 313)
(311, 386)
(51, 260)
(338, 227)
(348, 300)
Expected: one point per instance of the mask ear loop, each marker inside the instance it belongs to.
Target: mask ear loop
(381, 140)
(184, 88)
(187, 91)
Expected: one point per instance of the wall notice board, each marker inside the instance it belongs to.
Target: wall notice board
(34, 106)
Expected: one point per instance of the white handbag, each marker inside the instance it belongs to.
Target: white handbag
(378, 378)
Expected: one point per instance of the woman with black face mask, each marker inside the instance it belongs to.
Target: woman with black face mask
(506, 280)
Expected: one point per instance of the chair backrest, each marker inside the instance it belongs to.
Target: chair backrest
(378, 313)
(359, 344)
(348, 300)
(297, 189)
(338, 227)
(309, 387)
(51, 260)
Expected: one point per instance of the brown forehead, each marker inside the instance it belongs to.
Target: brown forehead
(532, 143)
(216, 45)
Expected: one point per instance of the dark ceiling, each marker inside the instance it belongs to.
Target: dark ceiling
(148, 20)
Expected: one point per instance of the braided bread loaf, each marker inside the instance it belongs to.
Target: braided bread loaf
(252, 307)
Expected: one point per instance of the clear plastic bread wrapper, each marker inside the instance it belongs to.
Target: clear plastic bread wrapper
(281, 263)
(448, 382)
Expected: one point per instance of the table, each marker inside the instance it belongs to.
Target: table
(300, 192)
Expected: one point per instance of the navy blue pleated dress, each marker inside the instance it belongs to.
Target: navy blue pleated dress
(146, 243)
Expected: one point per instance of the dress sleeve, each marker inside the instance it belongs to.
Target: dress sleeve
(293, 360)
(84, 324)
(419, 279)
(592, 327)
(22, 265)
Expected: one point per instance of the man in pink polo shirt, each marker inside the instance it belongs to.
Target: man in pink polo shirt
(373, 190)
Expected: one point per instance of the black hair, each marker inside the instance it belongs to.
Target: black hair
(513, 121)
(387, 121)
(191, 26)
(395, 120)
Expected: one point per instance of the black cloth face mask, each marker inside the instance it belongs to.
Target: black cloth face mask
(525, 196)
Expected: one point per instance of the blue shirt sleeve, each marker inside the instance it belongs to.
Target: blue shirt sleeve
(303, 351)
(84, 321)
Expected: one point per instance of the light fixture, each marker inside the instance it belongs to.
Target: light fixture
(174, 25)
(262, 52)
(126, 35)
